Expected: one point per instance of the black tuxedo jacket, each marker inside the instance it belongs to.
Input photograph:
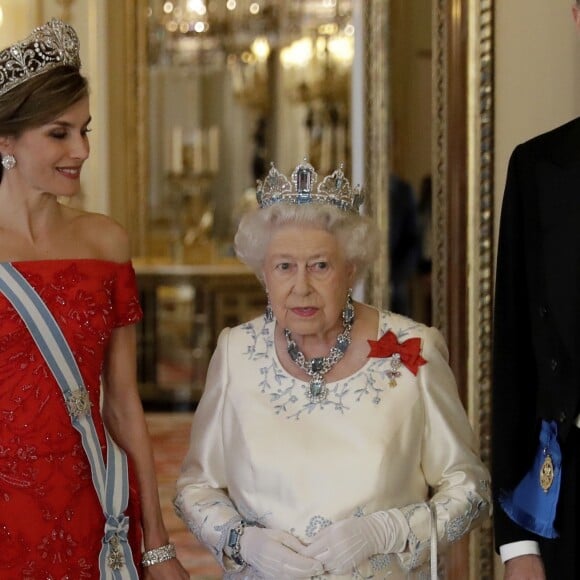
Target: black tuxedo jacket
(537, 308)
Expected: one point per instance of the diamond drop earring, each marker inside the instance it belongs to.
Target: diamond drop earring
(8, 161)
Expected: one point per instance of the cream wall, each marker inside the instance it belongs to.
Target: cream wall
(537, 82)
(15, 19)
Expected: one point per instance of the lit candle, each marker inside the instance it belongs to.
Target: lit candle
(177, 150)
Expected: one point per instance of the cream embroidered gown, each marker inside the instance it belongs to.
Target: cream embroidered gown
(260, 449)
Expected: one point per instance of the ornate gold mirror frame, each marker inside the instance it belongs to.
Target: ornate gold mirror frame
(463, 96)
(462, 187)
(480, 251)
(462, 280)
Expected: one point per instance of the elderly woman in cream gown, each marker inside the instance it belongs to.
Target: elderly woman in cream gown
(330, 441)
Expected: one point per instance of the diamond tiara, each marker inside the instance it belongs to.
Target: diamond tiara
(334, 189)
(47, 47)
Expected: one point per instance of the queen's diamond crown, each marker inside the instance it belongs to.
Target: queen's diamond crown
(49, 46)
(334, 189)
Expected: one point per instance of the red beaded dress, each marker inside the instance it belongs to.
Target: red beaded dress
(51, 522)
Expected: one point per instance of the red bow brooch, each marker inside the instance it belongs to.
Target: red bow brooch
(407, 352)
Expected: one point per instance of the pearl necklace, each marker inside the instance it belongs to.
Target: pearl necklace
(317, 367)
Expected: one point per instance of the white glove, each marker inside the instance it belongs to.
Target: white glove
(274, 554)
(343, 545)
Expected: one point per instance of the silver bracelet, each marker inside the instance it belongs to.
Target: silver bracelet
(158, 555)
(233, 543)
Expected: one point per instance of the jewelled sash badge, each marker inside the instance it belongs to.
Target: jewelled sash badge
(532, 504)
(547, 472)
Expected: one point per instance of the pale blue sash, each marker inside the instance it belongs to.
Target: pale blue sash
(111, 479)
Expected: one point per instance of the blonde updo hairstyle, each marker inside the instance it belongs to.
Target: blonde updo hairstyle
(357, 235)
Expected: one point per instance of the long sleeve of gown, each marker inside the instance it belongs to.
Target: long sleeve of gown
(202, 500)
(449, 460)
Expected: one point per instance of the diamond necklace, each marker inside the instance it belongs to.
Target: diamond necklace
(317, 367)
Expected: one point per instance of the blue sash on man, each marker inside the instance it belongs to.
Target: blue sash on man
(533, 502)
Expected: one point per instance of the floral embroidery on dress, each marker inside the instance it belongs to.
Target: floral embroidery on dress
(316, 524)
(43, 467)
(289, 396)
(194, 516)
(457, 527)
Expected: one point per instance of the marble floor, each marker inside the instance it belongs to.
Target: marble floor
(170, 436)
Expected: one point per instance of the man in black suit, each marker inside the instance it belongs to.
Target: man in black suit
(537, 358)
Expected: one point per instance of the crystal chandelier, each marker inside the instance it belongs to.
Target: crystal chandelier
(205, 32)
(317, 65)
(316, 71)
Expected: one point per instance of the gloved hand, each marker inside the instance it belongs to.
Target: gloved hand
(274, 554)
(345, 544)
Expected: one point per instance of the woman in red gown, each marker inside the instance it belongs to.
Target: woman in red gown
(51, 521)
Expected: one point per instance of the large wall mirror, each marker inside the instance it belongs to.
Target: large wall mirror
(225, 88)
(233, 86)
(204, 115)
(230, 87)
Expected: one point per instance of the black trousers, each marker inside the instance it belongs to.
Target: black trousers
(562, 555)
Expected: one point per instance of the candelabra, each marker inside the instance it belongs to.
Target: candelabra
(192, 216)
(193, 167)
